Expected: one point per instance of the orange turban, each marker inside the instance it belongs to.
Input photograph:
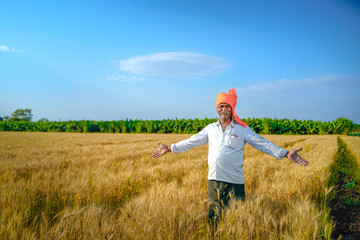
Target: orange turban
(231, 100)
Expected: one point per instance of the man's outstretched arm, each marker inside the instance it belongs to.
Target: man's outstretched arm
(296, 158)
(182, 146)
(163, 149)
(260, 143)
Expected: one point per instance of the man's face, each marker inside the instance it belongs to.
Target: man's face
(224, 111)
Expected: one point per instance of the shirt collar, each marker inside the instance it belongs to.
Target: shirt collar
(232, 123)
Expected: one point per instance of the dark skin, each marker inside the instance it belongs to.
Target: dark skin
(224, 110)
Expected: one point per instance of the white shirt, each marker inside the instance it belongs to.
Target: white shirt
(226, 149)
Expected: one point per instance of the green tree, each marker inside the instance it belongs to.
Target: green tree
(43, 120)
(5, 118)
(21, 115)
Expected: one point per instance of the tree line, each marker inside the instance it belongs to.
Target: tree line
(20, 120)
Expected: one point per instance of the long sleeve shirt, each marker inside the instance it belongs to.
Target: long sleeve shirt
(226, 149)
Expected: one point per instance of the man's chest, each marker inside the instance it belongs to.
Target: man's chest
(232, 137)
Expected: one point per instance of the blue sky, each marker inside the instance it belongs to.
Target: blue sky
(112, 60)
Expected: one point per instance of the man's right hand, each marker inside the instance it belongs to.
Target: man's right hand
(161, 151)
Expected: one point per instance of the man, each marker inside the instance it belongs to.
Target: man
(226, 139)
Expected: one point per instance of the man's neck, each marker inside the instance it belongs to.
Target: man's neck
(225, 123)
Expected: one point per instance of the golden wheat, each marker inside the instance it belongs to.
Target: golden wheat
(70, 186)
(354, 146)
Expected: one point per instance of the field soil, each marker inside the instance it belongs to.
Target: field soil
(345, 206)
(346, 216)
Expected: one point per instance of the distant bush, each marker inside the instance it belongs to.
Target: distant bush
(354, 134)
(263, 126)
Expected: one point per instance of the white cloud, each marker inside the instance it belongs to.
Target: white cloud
(114, 78)
(7, 49)
(307, 84)
(4, 48)
(318, 98)
(174, 64)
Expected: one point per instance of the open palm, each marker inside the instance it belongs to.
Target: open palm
(296, 158)
(161, 151)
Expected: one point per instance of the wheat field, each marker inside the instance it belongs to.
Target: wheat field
(354, 146)
(107, 186)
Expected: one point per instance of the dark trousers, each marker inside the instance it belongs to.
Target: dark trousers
(219, 196)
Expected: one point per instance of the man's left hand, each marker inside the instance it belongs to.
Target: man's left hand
(296, 158)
